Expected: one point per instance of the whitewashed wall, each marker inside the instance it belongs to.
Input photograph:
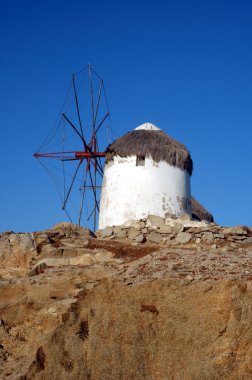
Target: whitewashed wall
(131, 192)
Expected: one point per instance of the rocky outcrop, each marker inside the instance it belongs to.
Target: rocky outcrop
(157, 299)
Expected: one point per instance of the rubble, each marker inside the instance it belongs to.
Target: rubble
(182, 230)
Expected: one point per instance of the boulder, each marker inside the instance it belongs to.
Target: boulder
(69, 229)
(248, 240)
(155, 221)
(133, 233)
(120, 232)
(219, 236)
(49, 263)
(237, 230)
(183, 237)
(154, 237)
(26, 241)
(138, 224)
(40, 239)
(184, 218)
(140, 238)
(82, 260)
(208, 236)
(69, 252)
(178, 227)
(165, 229)
(107, 232)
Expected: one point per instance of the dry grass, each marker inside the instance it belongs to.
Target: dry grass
(124, 249)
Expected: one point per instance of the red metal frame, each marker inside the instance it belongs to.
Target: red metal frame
(70, 155)
(90, 155)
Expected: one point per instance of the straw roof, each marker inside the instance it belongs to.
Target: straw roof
(199, 212)
(154, 144)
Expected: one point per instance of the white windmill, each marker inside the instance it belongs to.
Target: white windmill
(145, 172)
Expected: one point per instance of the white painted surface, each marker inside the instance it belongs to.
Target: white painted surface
(148, 127)
(131, 192)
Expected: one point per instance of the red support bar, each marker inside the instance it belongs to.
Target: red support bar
(80, 155)
(71, 155)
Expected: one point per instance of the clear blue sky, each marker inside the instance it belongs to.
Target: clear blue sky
(184, 65)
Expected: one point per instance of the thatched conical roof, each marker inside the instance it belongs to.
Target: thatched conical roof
(149, 141)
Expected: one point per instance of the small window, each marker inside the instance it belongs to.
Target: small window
(140, 161)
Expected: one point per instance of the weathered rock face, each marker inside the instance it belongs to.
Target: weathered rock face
(76, 306)
(160, 330)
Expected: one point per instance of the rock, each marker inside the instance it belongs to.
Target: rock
(154, 237)
(133, 233)
(197, 231)
(82, 260)
(198, 240)
(48, 263)
(248, 240)
(128, 223)
(40, 239)
(83, 251)
(183, 237)
(184, 217)
(122, 234)
(27, 241)
(165, 229)
(238, 237)
(178, 227)
(68, 228)
(63, 225)
(47, 250)
(233, 245)
(237, 230)
(8, 232)
(219, 236)
(138, 225)
(208, 236)
(189, 278)
(69, 252)
(155, 221)
(223, 250)
(14, 239)
(140, 238)
(52, 310)
(195, 235)
(46, 326)
(169, 216)
(78, 317)
(103, 256)
(107, 232)
(15, 255)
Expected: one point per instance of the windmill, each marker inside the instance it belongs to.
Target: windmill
(73, 151)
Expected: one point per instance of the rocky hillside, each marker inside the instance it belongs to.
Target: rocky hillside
(155, 299)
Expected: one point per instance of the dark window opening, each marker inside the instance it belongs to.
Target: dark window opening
(140, 161)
